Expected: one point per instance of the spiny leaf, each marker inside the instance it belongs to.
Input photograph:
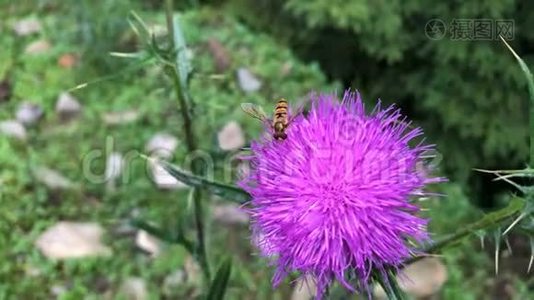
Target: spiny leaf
(530, 83)
(524, 68)
(526, 171)
(138, 25)
(510, 174)
(220, 282)
(516, 205)
(519, 218)
(481, 235)
(505, 178)
(140, 64)
(497, 237)
(531, 254)
(225, 191)
(508, 246)
(127, 54)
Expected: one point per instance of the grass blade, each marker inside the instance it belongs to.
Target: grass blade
(220, 282)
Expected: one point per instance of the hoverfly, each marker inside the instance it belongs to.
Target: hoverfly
(281, 117)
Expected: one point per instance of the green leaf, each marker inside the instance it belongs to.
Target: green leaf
(163, 235)
(153, 230)
(530, 82)
(182, 62)
(525, 69)
(225, 191)
(220, 282)
(138, 26)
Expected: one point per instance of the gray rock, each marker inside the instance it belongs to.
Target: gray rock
(421, 279)
(134, 288)
(29, 113)
(120, 117)
(38, 47)
(248, 82)
(192, 270)
(161, 145)
(13, 129)
(52, 179)
(58, 290)
(163, 179)
(229, 214)
(27, 26)
(424, 277)
(304, 289)
(148, 243)
(172, 282)
(67, 107)
(32, 271)
(231, 137)
(66, 240)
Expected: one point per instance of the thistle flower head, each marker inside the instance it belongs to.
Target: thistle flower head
(336, 198)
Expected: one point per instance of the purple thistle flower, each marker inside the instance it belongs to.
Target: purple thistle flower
(336, 198)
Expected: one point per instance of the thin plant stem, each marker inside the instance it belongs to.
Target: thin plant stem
(181, 93)
(199, 225)
(184, 101)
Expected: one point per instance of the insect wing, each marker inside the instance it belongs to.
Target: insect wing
(297, 111)
(254, 111)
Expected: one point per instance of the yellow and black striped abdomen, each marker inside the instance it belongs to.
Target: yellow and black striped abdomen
(280, 112)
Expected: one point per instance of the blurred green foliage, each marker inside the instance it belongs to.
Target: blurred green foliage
(467, 93)
(469, 96)
(90, 32)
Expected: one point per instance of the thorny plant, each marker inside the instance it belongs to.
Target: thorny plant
(516, 216)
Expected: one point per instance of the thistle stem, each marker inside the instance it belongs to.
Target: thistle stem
(181, 93)
(388, 282)
(184, 101)
(491, 220)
